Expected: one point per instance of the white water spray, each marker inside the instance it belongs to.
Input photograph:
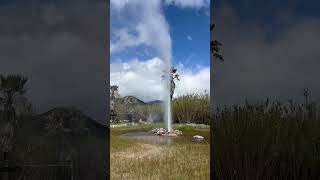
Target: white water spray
(167, 99)
(169, 118)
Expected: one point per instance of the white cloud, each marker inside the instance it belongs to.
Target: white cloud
(192, 81)
(189, 3)
(124, 40)
(149, 27)
(139, 78)
(189, 38)
(143, 79)
(118, 4)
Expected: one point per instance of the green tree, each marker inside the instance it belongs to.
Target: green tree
(114, 90)
(173, 75)
(113, 94)
(12, 91)
(215, 46)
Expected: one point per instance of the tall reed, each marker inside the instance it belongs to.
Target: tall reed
(266, 141)
(192, 108)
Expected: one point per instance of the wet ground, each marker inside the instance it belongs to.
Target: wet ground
(156, 139)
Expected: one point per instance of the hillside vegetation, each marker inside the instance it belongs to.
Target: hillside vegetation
(192, 108)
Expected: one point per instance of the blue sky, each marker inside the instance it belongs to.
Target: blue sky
(145, 34)
(190, 36)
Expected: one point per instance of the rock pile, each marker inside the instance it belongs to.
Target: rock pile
(165, 132)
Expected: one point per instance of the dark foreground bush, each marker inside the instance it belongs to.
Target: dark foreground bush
(61, 144)
(266, 141)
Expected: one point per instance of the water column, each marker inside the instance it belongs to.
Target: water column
(168, 110)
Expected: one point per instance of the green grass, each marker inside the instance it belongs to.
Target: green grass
(134, 159)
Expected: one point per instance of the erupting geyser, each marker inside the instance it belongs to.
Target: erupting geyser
(167, 96)
(168, 108)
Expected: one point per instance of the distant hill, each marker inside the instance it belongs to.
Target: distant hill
(133, 100)
(130, 99)
(136, 101)
(154, 102)
(81, 120)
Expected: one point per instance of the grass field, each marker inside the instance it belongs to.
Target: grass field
(136, 159)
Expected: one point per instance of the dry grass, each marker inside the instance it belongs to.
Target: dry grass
(139, 151)
(133, 159)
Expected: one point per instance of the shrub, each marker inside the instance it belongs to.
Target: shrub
(192, 108)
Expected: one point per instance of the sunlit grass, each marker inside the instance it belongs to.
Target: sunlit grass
(134, 159)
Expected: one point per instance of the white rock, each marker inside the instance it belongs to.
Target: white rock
(177, 132)
(198, 137)
(172, 135)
